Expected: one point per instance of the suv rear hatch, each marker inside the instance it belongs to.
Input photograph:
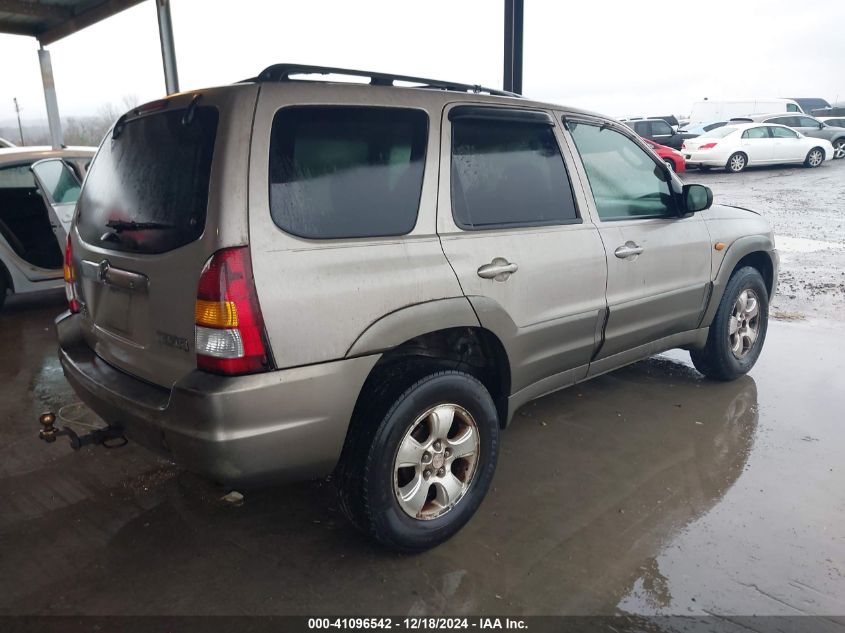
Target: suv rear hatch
(148, 219)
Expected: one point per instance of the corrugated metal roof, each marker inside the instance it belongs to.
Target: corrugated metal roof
(51, 20)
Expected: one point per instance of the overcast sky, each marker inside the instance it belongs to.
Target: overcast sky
(619, 58)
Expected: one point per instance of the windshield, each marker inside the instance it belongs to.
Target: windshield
(147, 189)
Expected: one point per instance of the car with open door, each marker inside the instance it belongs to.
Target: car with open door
(38, 191)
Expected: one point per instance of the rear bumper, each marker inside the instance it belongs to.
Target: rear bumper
(246, 430)
(709, 159)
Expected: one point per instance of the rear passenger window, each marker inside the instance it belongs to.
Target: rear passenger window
(782, 132)
(756, 132)
(339, 172)
(508, 173)
(661, 128)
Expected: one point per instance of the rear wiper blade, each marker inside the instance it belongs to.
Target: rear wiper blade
(128, 225)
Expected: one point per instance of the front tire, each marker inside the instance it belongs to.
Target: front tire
(736, 163)
(738, 330)
(839, 148)
(413, 481)
(815, 157)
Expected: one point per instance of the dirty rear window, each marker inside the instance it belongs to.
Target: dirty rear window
(340, 172)
(147, 189)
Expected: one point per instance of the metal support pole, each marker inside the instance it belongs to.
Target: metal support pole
(168, 47)
(50, 98)
(514, 10)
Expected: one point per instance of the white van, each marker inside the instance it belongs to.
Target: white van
(710, 111)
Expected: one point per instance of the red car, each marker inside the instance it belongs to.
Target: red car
(671, 157)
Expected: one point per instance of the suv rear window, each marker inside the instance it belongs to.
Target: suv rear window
(147, 189)
(341, 171)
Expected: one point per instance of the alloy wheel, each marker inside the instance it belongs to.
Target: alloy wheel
(744, 326)
(839, 149)
(816, 157)
(436, 461)
(737, 162)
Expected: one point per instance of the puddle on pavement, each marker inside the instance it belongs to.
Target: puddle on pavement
(649, 490)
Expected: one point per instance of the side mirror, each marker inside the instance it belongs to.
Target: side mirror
(821, 124)
(696, 198)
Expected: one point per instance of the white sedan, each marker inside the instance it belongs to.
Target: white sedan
(738, 145)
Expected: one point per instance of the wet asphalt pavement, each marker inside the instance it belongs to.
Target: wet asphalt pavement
(649, 490)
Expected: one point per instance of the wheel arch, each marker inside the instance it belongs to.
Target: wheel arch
(739, 151)
(469, 348)
(757, 251)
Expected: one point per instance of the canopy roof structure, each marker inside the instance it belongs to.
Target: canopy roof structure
(51, 20)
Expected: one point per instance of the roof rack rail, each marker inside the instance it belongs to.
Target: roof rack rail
(283, 72)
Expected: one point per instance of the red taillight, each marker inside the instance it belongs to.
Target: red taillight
(683, 145)
(70, 279)
(229, 326)
(707, 146)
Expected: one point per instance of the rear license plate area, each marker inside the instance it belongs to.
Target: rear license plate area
(115, 311)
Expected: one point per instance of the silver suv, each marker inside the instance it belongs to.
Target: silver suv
(288, 278)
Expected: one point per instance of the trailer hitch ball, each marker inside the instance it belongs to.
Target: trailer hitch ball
(49, 432)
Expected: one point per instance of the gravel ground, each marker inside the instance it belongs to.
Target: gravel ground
(806, 208)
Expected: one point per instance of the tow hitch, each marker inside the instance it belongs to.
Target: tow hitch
(109, 436)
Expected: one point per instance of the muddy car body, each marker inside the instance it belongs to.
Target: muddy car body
(369, 280)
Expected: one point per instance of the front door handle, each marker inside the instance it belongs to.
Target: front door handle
(498, 270)
(629, 249)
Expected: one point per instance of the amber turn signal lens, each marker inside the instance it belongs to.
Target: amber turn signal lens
(719, 246)
(217, 314)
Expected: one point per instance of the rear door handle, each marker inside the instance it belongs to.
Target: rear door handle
(498, 270)
(629, 249)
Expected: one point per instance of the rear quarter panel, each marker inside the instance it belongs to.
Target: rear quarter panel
(318, 296)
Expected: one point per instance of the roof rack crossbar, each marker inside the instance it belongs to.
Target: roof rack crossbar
(283, 72)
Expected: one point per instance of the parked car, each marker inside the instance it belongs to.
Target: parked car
(808, 126)
(691, 131)
(673, 158)
(809, 104)
(738, 145)
(4, 144)
(709, 110)
(282, 279)
(837, 111)
(33, 233)
(656, 130)
(833, 121)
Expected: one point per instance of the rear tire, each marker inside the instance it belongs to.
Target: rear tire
(736, 163)
(730, 351)
(815, 157)
(416, 507)
(670, 163)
